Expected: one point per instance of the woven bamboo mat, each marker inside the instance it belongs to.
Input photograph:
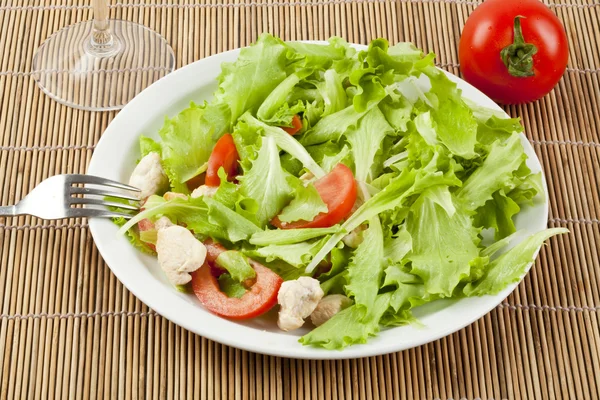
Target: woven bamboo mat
(69, 329)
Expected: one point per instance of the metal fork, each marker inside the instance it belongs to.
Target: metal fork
(55, 198)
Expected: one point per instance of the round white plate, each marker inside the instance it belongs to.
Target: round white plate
(115, 158)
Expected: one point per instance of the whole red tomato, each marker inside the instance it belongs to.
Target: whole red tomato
(515, 51)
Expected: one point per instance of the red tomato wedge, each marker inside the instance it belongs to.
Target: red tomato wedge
(296, 125)
(260, 297)
(338, 191)
(223, 155)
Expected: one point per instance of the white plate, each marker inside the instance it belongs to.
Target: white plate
(115, 158)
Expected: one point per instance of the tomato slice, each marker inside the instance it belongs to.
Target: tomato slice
(260, 297)
(223, 155)
(338, 191)
(296, 125)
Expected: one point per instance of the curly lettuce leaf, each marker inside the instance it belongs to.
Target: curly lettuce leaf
(297, 254)
(498, 214)
(365, 140)
(396, 247)
(266, 182)
(453, 120)
(235, 226)
(260, 68)
(204, 216)
(290, 236)
(320, 56)
(444, 241)
(496, 172)
(365, 270)
(236, 264)
(286, 142)
(306, 205)
(332, 126)
(148, 145)
(332, 92)
(231, 287)
(510, 266)
(497, 128)
(408, 183)
(350, 326)
(277, 98)
(187, 141)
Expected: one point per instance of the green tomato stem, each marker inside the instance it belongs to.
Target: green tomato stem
(518, 56)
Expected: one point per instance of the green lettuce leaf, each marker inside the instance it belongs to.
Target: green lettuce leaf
(510, 266)
(333, 126)
(497, 214)
(365, 270)
(306, 205)
(408, 183)
(236, 264)
(231, 287)
(397, 113)
(497, 128)
(528, 189)
(396, 247)
(204, 216)
(287, 143)
(266, 182)
(444, 242)
(187, 141)
(495, 173)
(260, 68)
(352, 325)
(290, 236)
(335, 284)
(332, 91)
(148, 145)
(455, 124)
(235, 226)
(297, 254)
(277, 98)
(320, 56)
(365, 140)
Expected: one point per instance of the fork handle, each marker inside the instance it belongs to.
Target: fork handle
(8, 211)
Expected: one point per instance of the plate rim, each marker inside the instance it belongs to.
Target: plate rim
(301, 352)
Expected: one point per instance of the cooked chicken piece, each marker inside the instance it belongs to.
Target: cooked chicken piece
(162, 223)
(179, 253)
(208, 191)
(149, 176)
(298, 299)
(328, 307)
(355, 237)
(172, 195)
(307, 178)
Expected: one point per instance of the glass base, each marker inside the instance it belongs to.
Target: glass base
(69, 69)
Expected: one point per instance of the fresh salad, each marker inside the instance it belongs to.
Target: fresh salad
(341, 187)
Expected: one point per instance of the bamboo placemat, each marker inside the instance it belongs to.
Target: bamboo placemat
(69, 329)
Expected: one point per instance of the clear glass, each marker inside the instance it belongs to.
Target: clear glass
(102, 64)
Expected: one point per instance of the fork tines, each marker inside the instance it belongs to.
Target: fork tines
(78, 195)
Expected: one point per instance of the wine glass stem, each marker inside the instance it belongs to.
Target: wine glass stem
(102, 42)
